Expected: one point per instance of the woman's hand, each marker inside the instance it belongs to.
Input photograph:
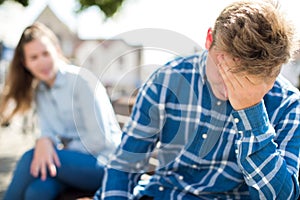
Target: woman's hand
(44, 157)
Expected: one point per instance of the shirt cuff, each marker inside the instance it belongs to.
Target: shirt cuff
(55, 140)
(254, 119)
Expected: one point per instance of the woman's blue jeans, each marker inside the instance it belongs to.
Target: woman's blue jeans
(77, 170)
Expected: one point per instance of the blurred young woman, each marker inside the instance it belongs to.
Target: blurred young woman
(76, 120)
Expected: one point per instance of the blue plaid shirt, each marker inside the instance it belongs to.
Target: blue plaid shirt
(205, 148)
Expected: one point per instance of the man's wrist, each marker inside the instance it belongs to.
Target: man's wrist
(251, 118)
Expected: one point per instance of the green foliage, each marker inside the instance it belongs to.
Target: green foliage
(108, 7)
(23, 2)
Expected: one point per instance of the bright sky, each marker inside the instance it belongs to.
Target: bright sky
(190, 18)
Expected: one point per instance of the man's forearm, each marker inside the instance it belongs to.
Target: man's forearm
(264, 168)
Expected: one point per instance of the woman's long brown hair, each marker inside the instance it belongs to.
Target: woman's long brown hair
(19, 86)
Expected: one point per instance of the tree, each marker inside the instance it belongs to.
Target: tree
(108, 7)
(22, 2)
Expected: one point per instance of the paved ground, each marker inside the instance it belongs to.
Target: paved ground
(13, 143)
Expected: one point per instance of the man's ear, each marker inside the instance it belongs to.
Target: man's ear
(209, 39)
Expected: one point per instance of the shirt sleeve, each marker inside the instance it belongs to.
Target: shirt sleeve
(94, 117)
(138, 140)
(44, 116)
(268, 156)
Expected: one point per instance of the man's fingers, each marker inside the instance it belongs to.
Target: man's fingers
(227, 63)
(225, 77)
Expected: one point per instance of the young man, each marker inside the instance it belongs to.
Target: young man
(225, 123)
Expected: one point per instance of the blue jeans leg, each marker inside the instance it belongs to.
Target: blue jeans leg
(46, 190)
(25, 186)
(80, 170)
(77, 170)
(21, 178)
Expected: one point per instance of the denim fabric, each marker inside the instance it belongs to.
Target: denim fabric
(77, 170)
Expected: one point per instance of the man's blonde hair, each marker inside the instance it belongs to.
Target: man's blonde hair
(256, 33)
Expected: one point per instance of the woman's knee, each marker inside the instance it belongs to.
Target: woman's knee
(46, 190)
(35, 194)
(26, 158)
(23, 165)
(32, 193)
